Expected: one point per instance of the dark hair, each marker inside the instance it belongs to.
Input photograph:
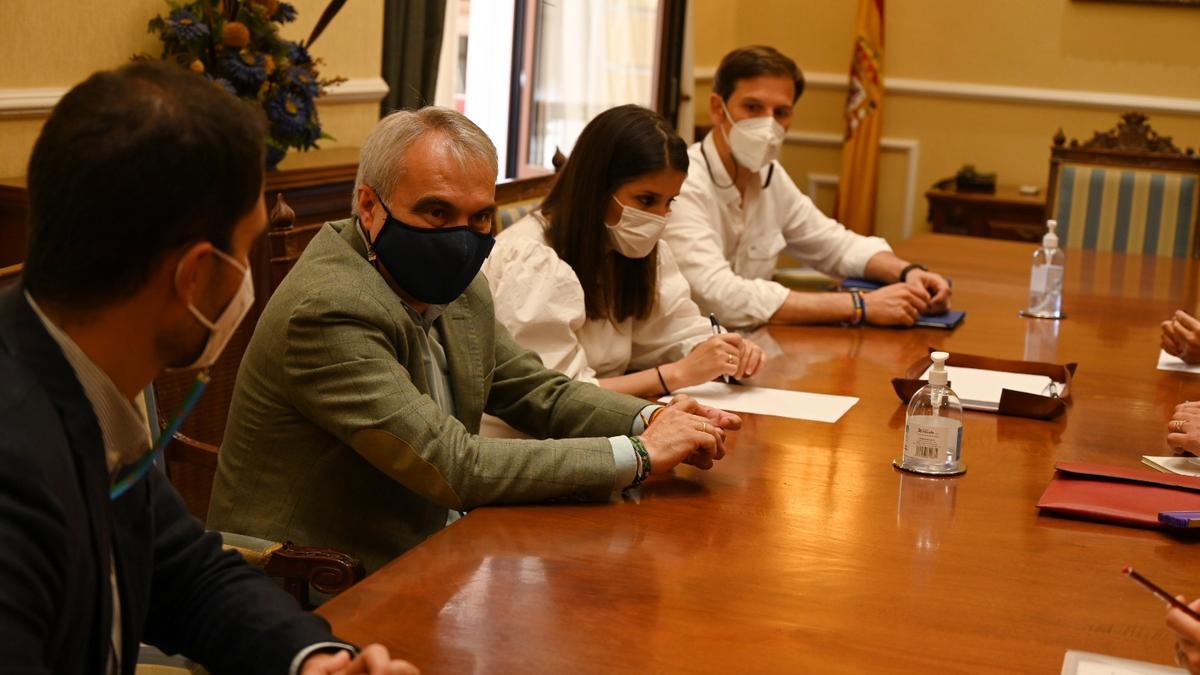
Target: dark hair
(134, 163)
(616, 147)
(754, 61)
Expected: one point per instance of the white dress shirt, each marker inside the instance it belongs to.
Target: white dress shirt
(726, 246)
(540, 301)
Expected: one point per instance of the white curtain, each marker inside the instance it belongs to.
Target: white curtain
(590, 55)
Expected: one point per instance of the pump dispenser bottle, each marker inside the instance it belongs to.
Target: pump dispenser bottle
(1046, 277)
(933, 426)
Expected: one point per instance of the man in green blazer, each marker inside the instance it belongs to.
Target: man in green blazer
(355, 418)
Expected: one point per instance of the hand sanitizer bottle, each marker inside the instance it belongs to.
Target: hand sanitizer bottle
(933, 427)
(1046, 278)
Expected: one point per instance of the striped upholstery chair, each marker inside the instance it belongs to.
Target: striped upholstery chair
(517, 197)
(1126, 190)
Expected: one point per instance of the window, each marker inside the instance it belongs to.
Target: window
(534, 87)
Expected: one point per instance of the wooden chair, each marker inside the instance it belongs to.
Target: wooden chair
(1127, 189)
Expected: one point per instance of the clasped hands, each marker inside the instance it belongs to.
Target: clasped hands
(687, 432)
(900, 304)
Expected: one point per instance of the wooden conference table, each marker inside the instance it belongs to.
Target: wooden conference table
(805, 551)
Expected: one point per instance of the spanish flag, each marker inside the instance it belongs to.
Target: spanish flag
(864, 105)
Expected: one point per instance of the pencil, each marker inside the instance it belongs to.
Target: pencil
(1162, 594)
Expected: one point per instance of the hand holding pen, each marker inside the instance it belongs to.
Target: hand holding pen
(1182, 619)
(724, 355)
(717, 330)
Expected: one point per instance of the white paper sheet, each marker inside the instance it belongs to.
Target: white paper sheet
(1184, 466)
(1087, 663)
(798, 405)
(980, 389)
(1168, 362)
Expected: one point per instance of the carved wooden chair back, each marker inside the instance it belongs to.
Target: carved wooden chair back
(1127, 189)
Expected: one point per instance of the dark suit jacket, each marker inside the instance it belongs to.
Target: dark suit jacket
(179, 590)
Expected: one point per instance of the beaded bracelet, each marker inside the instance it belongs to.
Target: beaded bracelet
(643, 457)
(860, 308)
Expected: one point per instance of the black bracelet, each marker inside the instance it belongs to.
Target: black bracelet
(663, 382)
(643, 457)
(911, 266)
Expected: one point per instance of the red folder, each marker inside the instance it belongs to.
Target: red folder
(1118, 494)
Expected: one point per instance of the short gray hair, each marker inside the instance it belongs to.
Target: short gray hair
(381, 162)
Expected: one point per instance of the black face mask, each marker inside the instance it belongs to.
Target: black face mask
(434, 265)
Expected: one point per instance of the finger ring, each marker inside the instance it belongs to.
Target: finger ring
(704, 427)
(1176, 426)
(730, 359)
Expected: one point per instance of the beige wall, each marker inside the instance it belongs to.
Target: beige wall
(48, 44)
(1052, 44)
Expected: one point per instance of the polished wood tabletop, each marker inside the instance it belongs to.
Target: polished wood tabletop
(805, 551)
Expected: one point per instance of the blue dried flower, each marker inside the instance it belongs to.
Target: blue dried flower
(246, 69)
(289, 114)
(285, 13)
(298, 55)
(302, 79)
(186, 27)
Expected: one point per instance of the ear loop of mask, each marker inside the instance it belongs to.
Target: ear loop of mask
(130, 476)
(736, 167)
(708, 165)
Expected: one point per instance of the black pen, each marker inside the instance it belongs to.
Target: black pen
(716, 326)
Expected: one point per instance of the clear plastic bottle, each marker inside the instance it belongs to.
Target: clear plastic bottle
(933, 426)
(1046, 277)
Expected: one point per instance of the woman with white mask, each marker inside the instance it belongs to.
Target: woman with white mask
(584, 282)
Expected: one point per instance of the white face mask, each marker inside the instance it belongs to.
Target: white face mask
(222, 329)
(755, 141)
(636, 233)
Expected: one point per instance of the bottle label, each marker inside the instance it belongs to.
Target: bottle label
(1045, 278)
(941, 443)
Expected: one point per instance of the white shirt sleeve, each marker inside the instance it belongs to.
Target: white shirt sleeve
(675, 326)
(816, 239)
(540, 301)
(695, 236)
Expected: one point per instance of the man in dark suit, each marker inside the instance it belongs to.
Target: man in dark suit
(145, 191)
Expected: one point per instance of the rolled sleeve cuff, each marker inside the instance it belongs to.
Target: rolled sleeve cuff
(303, 654)
(773, 296)
(868, 247)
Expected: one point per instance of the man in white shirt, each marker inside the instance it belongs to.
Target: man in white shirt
(739, 209)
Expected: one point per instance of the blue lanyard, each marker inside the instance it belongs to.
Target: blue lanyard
(139, 468)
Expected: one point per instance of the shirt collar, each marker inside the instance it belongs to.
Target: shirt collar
(123, 425)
